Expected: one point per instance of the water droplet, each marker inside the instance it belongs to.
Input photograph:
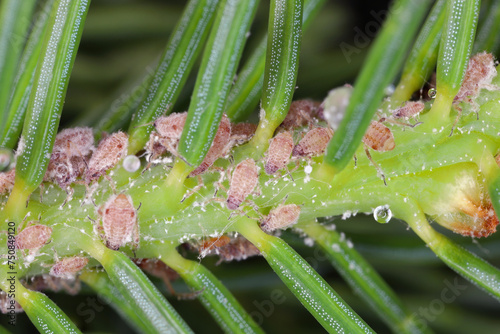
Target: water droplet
(432, 93)
(131, 163)
(382, 214)
(6, 159)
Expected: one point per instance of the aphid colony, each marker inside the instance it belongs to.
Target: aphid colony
(74, 156)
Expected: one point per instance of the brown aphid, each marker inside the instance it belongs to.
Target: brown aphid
(33, 237)
(243, 182)
(409, 110)
(218, 146)
(107, 155)
(119, 221)
(237, 249)
(74, 142)
(313, 143)
(7, 181)
(64, 170)
(68, 267)
(301, 113)
(171, 126)
(281, 217)
(212, 243)
(242, 132)
(480, 71)
(68, 160)
(157, 268)
(278, 154)
(379, 137)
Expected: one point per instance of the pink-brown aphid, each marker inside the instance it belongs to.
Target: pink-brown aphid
(301, 112)
(7, 181)
(33, 237)
(69, 155)
(281, 217)
(218, 146)
(107, 155)
(480, 71)
(379, 137)
(237, 249)
(64, 170)
(119, 221)
(313, 143)
(74, 142)
(170, 129)
(242, 132)
(68, 267)
(409, 110)
(278, 154)
(243, 182)
(171, 126)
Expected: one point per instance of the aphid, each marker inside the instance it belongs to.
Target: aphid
(119, 221)
(281, 217)
(157, 268)
(301, 113)
(480, 71)
(218, 146)
(243, 182)
(242, 132)
(379, 137)
(171, 126)
(313, 143)
(409, 110)
(33, 237)
(107, 155)
(68, 267)
(169, 129)
(7, 181)
(68, 160)
(212, 243)
(278, 154)
(64, 170)
(237, 249)
(74, 142)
